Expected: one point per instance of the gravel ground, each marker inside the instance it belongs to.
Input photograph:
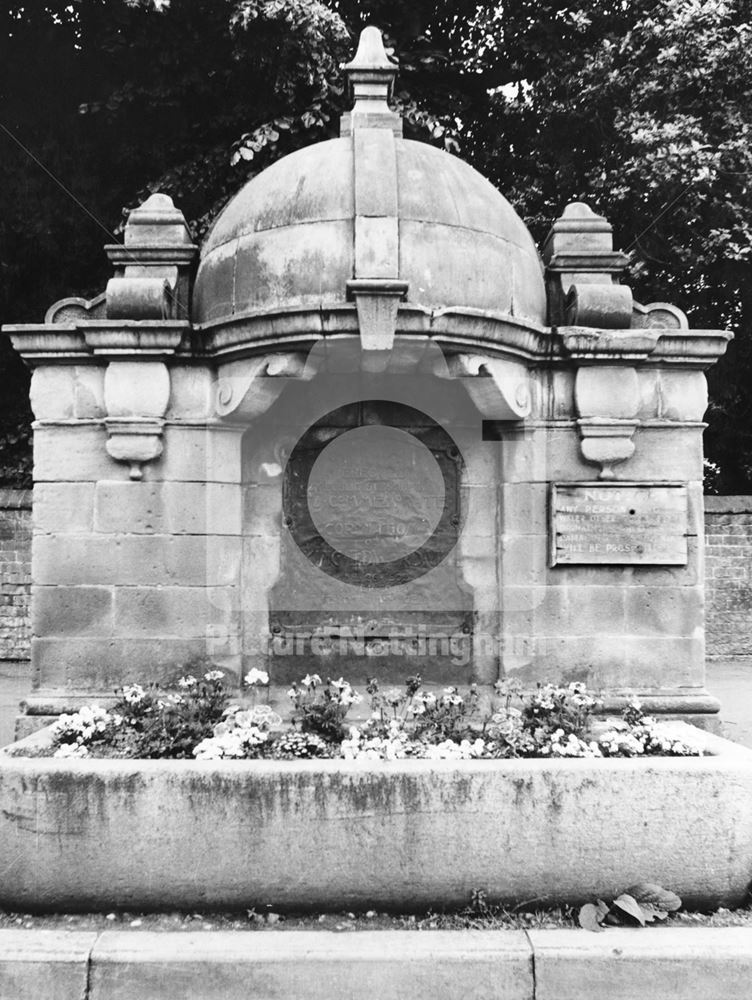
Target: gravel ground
(486, 918)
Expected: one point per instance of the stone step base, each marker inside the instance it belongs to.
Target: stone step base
(664, 963)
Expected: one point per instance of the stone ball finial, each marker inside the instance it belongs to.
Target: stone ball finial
(371, 75)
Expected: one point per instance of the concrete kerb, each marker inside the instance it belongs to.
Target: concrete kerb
(667, 963)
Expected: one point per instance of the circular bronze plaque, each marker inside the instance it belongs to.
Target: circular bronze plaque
(377, 504)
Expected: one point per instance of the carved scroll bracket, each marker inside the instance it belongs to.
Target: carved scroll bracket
(246, 389)
(499, 388)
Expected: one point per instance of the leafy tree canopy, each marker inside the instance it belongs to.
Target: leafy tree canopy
(643, 108)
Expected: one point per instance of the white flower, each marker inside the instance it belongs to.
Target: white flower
(255, 676)
(133, 694)
(68, 750)
(349, 697)
(452, 699)
(311, 680)
(292, 694)
(214, 675)
(188, 681)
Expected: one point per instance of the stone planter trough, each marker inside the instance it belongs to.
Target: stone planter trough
(148, 835)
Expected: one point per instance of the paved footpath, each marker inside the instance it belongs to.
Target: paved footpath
(620, 964)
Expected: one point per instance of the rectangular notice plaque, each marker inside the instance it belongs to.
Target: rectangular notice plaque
(618, 523)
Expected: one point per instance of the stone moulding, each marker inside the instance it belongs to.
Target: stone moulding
(331, 834)
(97, 340)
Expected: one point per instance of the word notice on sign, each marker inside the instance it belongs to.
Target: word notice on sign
(618, 523)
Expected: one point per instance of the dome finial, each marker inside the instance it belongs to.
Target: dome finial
(371, 74)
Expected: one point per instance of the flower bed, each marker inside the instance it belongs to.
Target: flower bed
(89, 834)
(242, 821)
(410, 723)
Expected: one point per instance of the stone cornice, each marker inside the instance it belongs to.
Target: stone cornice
(97, 340)
(454, 328)
(695, 348)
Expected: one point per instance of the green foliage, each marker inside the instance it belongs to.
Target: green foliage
(648, 119)
(641, 904)
(149, 723)
(320, 708)
(195, 721)
(643, 109)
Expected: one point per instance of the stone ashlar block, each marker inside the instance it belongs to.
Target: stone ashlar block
(545, 454)
(192, 390)
(68, 392)
(659, 612)
(480, 511)
(555, 393)
(579, 611)
(72, 611)
(64, 508)
(132, 560)
(38, 964)
(524, 559)
(672, 395)
(73, 454)
(187, 612)
(662, 661)
(481, 463)
(98, 666)
(168, 508)
(665, 454)
(262, 505)
(683, 395)
(613, 661)
(261, 568)
(198, 454)
(524, 508)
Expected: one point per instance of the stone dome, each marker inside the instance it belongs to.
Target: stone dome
(289, 240)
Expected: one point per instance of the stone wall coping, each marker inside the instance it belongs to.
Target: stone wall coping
(670, 963)
(728, 505)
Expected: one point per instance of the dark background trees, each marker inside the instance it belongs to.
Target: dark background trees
(643, 108)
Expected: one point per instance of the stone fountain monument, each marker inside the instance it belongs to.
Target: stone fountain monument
(374, 433)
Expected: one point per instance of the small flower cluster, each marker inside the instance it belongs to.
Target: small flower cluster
(146, 722)
(372, 742)
(321, 706)
(397, 744)
(242, 734)
(300, 746)
(563, 744)
(638, 735)
(78, 732)
(452, 750)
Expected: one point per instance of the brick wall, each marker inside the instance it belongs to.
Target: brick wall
(728, 576)
(15, 573)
